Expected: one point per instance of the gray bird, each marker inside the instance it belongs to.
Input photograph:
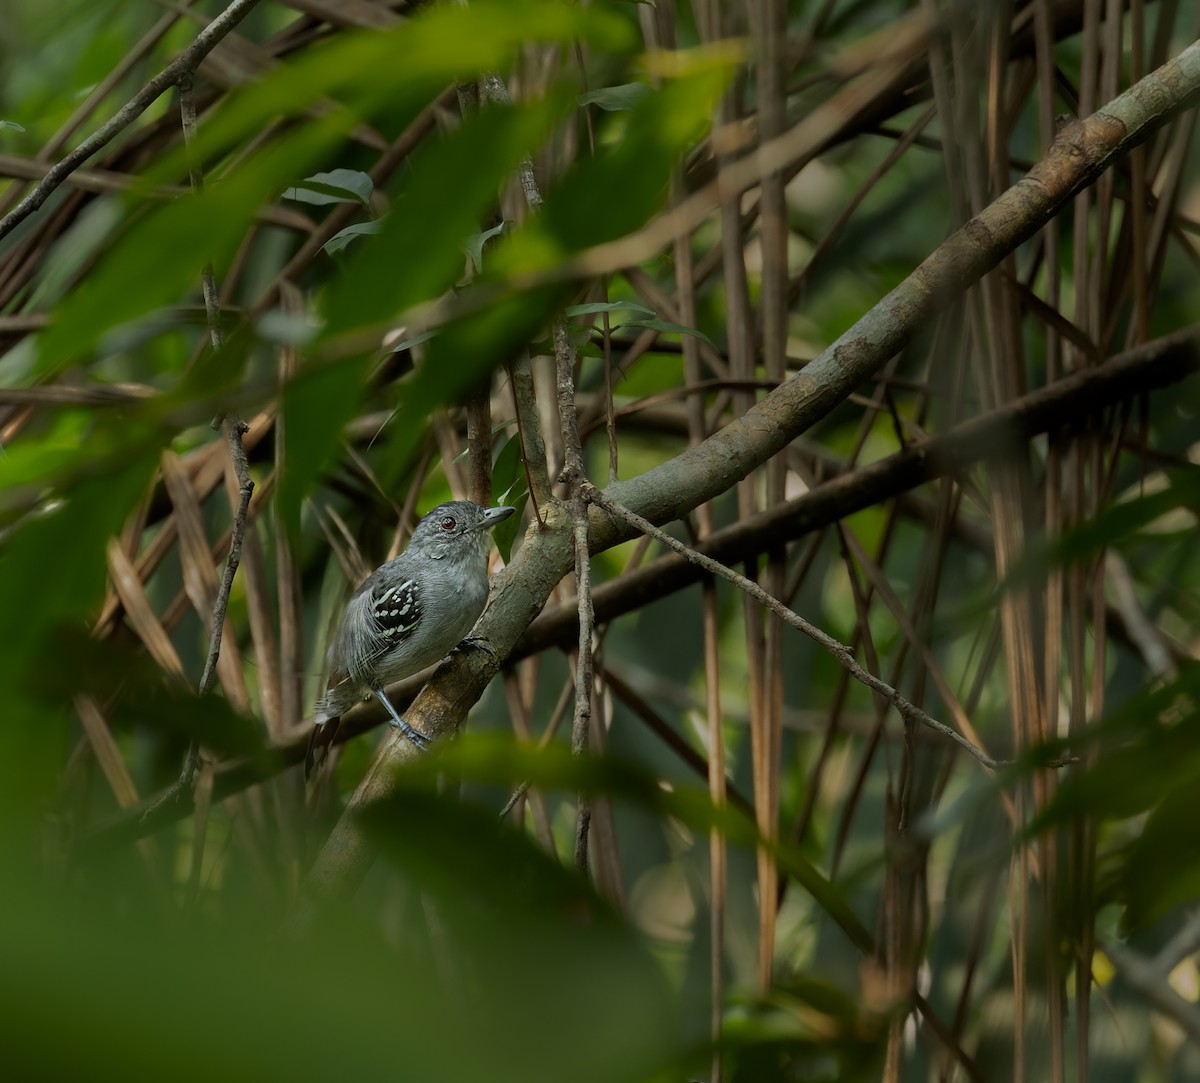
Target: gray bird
(409, 613)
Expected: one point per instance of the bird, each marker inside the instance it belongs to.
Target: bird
(408, 614)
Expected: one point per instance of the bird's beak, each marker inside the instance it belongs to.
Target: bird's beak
(492, 516)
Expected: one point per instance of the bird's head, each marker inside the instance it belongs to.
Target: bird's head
(456, 528)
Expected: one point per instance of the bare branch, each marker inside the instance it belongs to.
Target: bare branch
(843, 654)
(234, 427)
(184, 65)
(106, 180)
(529, 432)
(576, 478)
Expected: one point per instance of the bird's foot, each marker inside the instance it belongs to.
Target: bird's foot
(395, 719)
(475, 643)
(416, 736)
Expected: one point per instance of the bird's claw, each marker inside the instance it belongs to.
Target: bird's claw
(416, 736)
(476, 643)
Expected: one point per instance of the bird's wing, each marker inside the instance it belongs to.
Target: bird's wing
(383, 613)
(397, 609)
(379, 616)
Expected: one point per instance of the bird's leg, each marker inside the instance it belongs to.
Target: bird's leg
(419, 739)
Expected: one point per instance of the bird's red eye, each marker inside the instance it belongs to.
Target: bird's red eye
(449, 523)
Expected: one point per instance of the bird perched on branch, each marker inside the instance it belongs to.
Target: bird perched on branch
(408, 614)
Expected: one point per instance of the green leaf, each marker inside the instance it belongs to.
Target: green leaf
(336, 186)
(179, 239)
(475, 244)
(418, 254)
(607, 306)
(509, 487)
(41, 462)
(91, 232)
(343, 237)
(671, 328)
(496, 1001)
(1117, 522)
(525, 928)
(613, 98)
(316, 404)
(1140, 752)
(384, 77)
(416, 340)
(656, 133)
(654, 136)
(1159, 869)
(387, 77)
(498, 758)
(465, 351)
(94, 488)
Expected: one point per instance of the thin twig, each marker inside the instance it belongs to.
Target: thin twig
(234, 427)
(478, 403)
(517, 794)
(184, 66)
(118, 394)
(610, 417)
(287, 574)
(106, 180)
(565, 699)
(493, 89)
(529, 432)
(1080, 153)
(842, 653)
(1161, 363)
(574, 475)
(208, 282)
(479, 445)
(516, 696)
(533, 450)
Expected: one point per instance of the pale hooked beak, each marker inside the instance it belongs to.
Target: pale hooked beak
(492, 516)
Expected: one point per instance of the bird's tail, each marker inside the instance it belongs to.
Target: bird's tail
(324, 731)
